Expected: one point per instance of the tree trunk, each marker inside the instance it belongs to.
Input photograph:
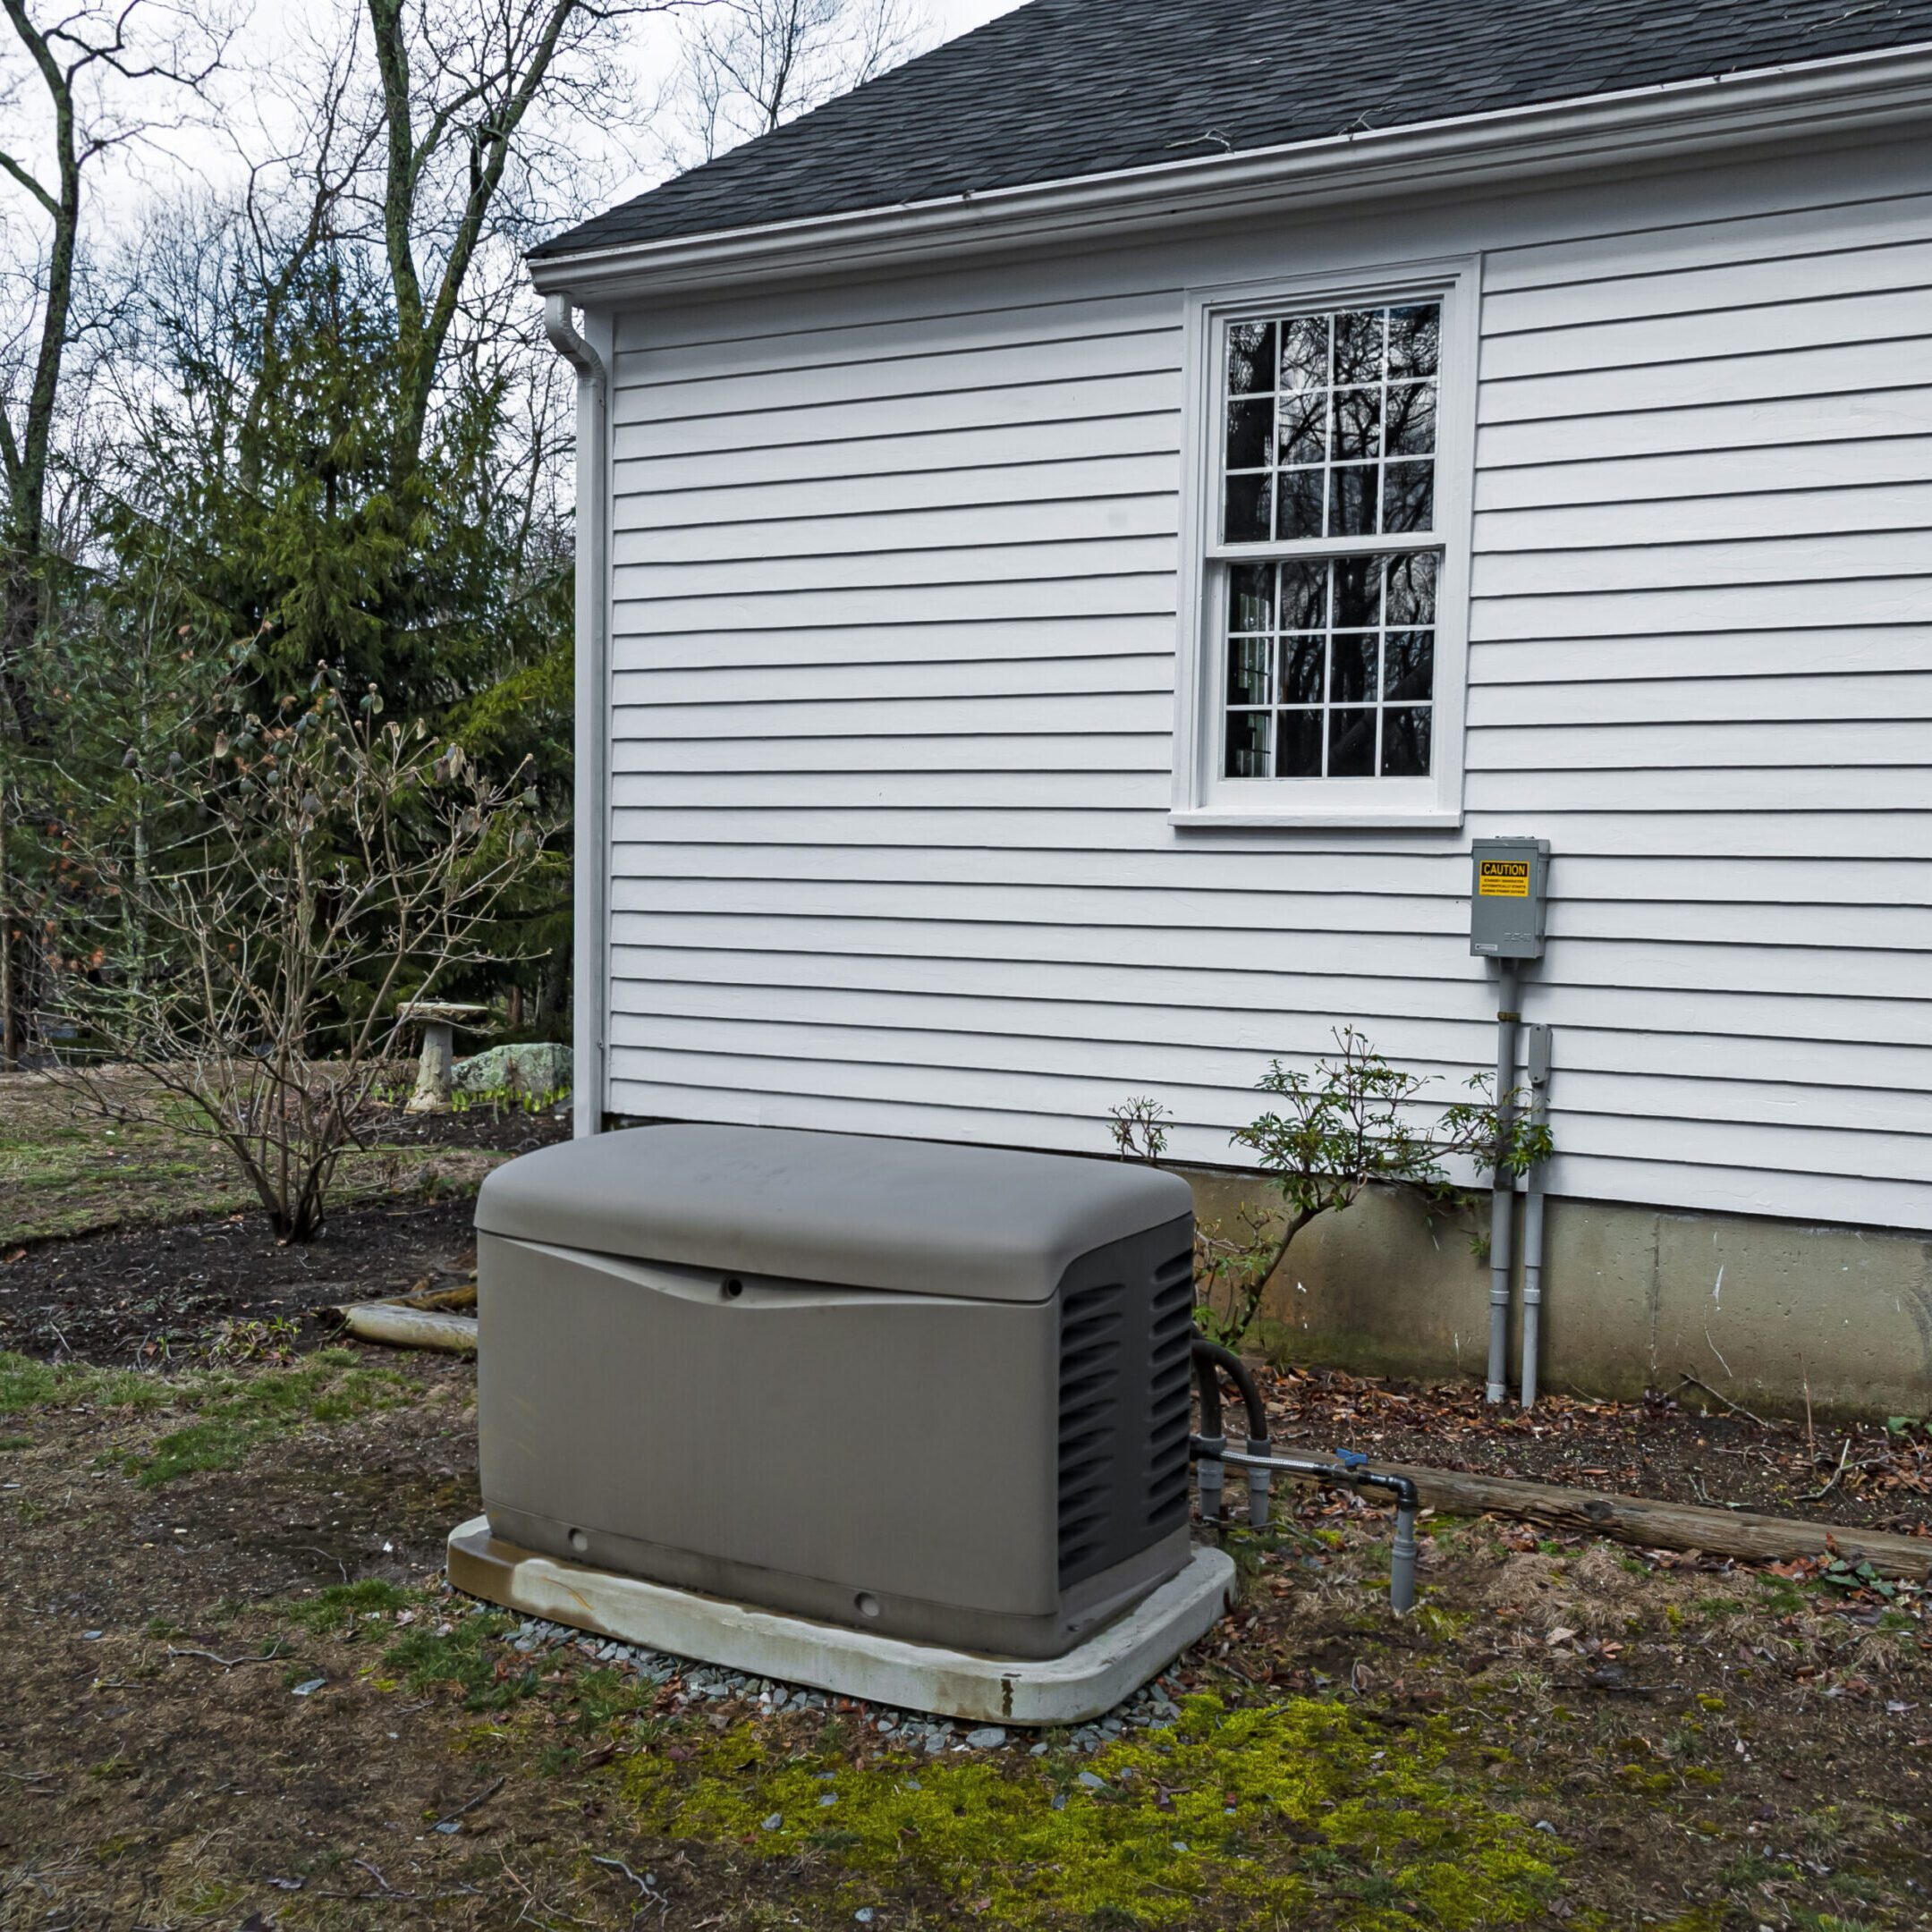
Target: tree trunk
(9, 1040)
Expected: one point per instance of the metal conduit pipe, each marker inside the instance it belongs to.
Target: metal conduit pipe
(1208, 1357)
(1537, 1056)
(1503, 1196)
(1402, 1551)
(1210, 1446)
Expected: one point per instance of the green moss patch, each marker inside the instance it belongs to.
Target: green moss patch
(1229, 1817)
(236, 1414)
(26, 1385)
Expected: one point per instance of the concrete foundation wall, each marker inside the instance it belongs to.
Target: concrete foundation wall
(1634, 1297)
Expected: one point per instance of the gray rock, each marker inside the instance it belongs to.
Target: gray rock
(1093, 1780)
(773, 1822)
(536, 1068)
(988, 1737)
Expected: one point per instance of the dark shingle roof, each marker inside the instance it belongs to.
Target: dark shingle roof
(1066, 87)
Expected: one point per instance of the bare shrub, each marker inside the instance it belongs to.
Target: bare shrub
(329, 867)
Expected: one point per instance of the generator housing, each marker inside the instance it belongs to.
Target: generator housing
(937, 1392)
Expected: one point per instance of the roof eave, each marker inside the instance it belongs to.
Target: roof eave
(1632, 128)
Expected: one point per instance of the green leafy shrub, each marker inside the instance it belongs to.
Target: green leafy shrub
(1355, 1121)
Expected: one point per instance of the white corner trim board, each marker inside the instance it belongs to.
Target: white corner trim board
(1097, 1673)
(1781, 104)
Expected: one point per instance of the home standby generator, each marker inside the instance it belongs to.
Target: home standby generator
(935, 1394)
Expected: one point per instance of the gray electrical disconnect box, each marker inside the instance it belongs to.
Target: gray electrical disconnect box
(1507, 894)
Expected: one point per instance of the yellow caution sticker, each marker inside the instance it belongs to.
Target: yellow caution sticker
(1503, 878)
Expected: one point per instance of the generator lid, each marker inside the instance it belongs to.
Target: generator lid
(921, 1217)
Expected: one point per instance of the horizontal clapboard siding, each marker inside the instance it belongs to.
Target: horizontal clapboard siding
(894, 571)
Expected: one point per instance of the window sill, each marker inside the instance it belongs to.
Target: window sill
(1339, 818)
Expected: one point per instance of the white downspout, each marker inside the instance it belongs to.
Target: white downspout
(591, 859)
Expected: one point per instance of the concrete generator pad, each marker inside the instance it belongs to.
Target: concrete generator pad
(1090, 1679)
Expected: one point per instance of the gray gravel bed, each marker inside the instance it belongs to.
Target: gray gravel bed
(699, 1684)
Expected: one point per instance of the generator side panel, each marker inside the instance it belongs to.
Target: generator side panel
(883, 1460)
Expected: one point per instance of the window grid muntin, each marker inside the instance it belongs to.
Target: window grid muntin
(1399, 724)
(1367, 669)
(1323, 434)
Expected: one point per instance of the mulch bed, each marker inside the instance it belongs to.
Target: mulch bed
(1680, 1448)
(143, 1293)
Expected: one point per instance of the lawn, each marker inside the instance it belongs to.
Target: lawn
(66, 1168)
(240, 1694)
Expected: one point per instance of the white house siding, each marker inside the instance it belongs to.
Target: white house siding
(893, 656)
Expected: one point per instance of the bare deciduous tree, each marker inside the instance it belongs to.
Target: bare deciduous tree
(747, 66)
(71, 91)
(458, 82)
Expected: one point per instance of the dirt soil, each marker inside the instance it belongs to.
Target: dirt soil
(143, 1293)
(237, 1699)
(239, 1696)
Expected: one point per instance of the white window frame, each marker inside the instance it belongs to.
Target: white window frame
(1202, 795)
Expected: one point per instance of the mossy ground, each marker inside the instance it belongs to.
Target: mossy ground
(1276, 1811)
(239, 1693)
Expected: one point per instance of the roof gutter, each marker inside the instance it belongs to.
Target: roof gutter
(1632, 128)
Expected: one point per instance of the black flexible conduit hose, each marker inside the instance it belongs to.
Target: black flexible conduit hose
(1208, 1358)
(1212, 1453)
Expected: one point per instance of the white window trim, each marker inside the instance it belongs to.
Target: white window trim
(1202, 795)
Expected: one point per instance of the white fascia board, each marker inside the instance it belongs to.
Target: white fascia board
(1632, 128)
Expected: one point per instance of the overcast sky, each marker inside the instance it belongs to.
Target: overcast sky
(962, 16)
(270, 29)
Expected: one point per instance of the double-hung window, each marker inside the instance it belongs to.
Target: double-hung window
(1325, 580)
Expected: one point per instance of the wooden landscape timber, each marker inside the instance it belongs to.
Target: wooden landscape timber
(441, 1318)
(1673, 1526)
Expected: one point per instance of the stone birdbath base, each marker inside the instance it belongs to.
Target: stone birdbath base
(438, 1019)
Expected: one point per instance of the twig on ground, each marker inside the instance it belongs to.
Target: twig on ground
(618, 1865)
(1691, 1381)
(1715, 1351)
(26, 1777)
(463, 1810)
(1817, 1495)
(276, 1650)
(1804, 1376)
(311, 1550)
(648, 1893)
(1706, 1502)
(389, 1895)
